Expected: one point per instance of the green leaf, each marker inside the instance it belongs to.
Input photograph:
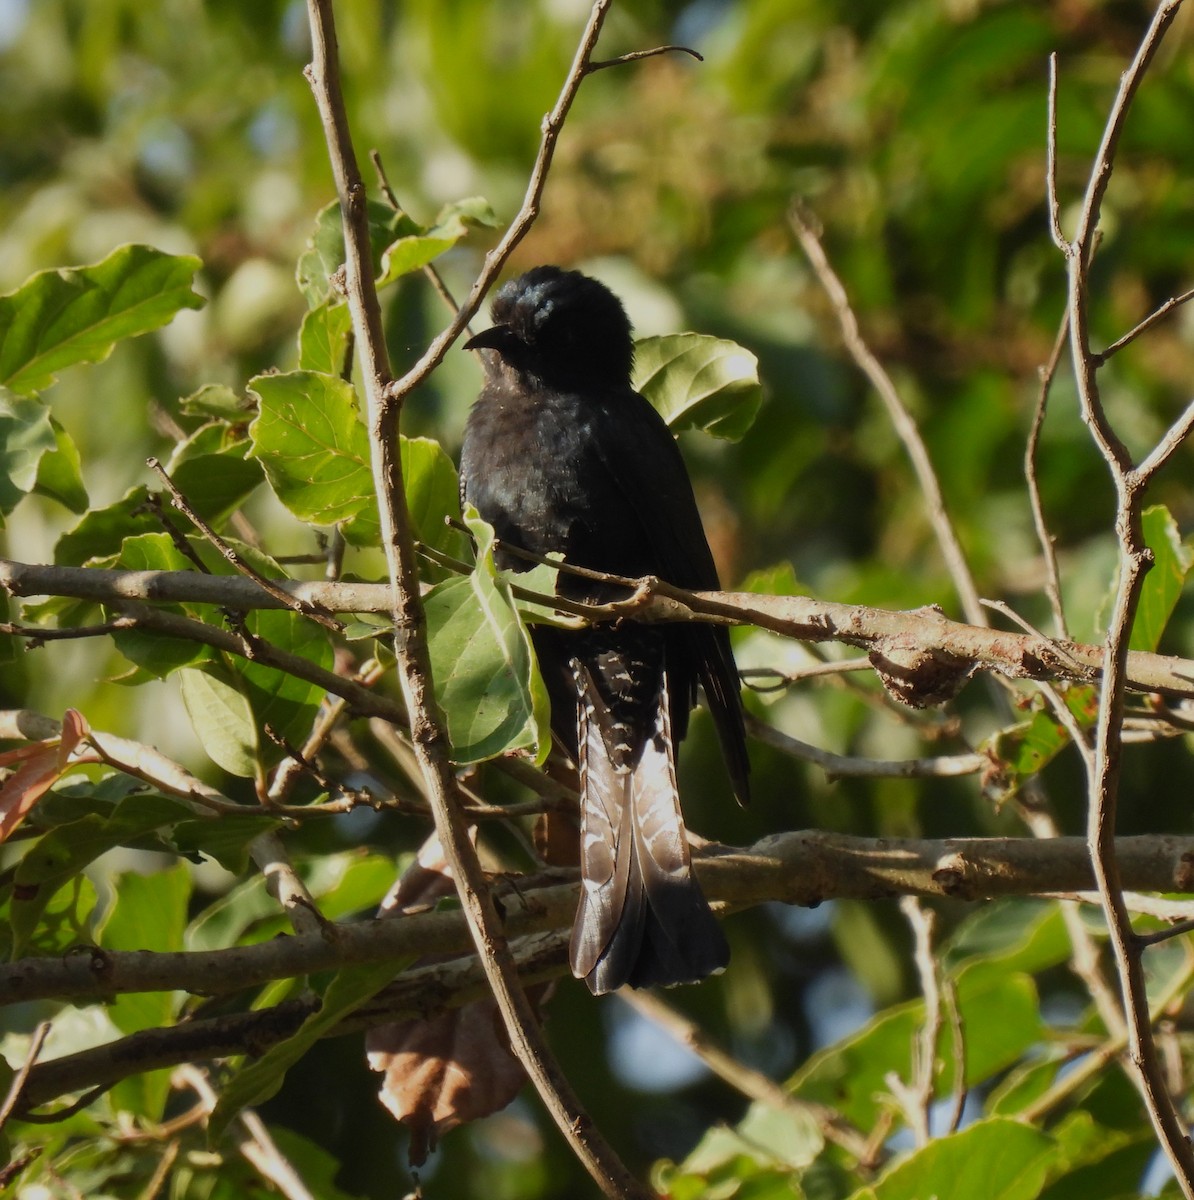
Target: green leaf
(1172, 559)
(1021, 935)
(415, 250)
(148, 649)
(324, 338)
(26, 437)
(324, 255)
(1000, 1017)
(150, 913)
(102, 531)
(997, 1159)
(261, 1079)
(699, 382)
(486, 679)
(60, 856)
(214, 473)
(309, 438)
(60, 473)
(226, 838)
(215, 400)
(222, 719)
(1029, 746)
(77, 314)
(432, 494)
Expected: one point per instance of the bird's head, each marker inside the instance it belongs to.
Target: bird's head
(561, 328)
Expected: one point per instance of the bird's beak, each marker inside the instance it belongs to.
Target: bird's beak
(497, 337)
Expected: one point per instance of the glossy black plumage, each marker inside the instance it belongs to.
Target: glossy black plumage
(560, 454)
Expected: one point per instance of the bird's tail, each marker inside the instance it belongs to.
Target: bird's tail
(643, 919)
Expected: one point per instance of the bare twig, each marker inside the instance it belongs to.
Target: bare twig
(13, 1097)
(1059, 238)
(1135, 560)
(957, 1036)
(184, 506)
(528, 212)
(639, 55)
(751, 1083)
(955, 560)
(838, 766)
(1158, 313)
(1044, 537)
(916, 1096)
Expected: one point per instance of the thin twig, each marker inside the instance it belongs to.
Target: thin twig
(1162, 311)
(1059, 238)
(957, 1037)
(1135, 560)
(639, 55)
(1044, 537)
(185, 507)
(13, 1097)
(916, 1096)
(838, 766)
(751, 1083)
(955, 561)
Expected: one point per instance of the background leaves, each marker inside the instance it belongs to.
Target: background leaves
(915, 132)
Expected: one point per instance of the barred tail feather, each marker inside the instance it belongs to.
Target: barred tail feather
(642, 919)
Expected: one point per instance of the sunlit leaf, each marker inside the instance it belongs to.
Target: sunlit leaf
(699, 382)
(415, 250)
(998, 1159)
(77, 314)
(309, 438)
(324, 338)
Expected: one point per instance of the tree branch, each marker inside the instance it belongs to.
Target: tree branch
(383, 402)
(918, 631)
(793, 868)
(1135, 559)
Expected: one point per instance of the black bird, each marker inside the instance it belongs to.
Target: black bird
(561, 454)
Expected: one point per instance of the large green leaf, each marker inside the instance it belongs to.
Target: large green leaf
(699, 382)
(309, 438)
(77, 314)
(997, 1159)
(486, 679)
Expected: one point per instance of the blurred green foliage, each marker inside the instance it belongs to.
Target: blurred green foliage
(915, 130)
